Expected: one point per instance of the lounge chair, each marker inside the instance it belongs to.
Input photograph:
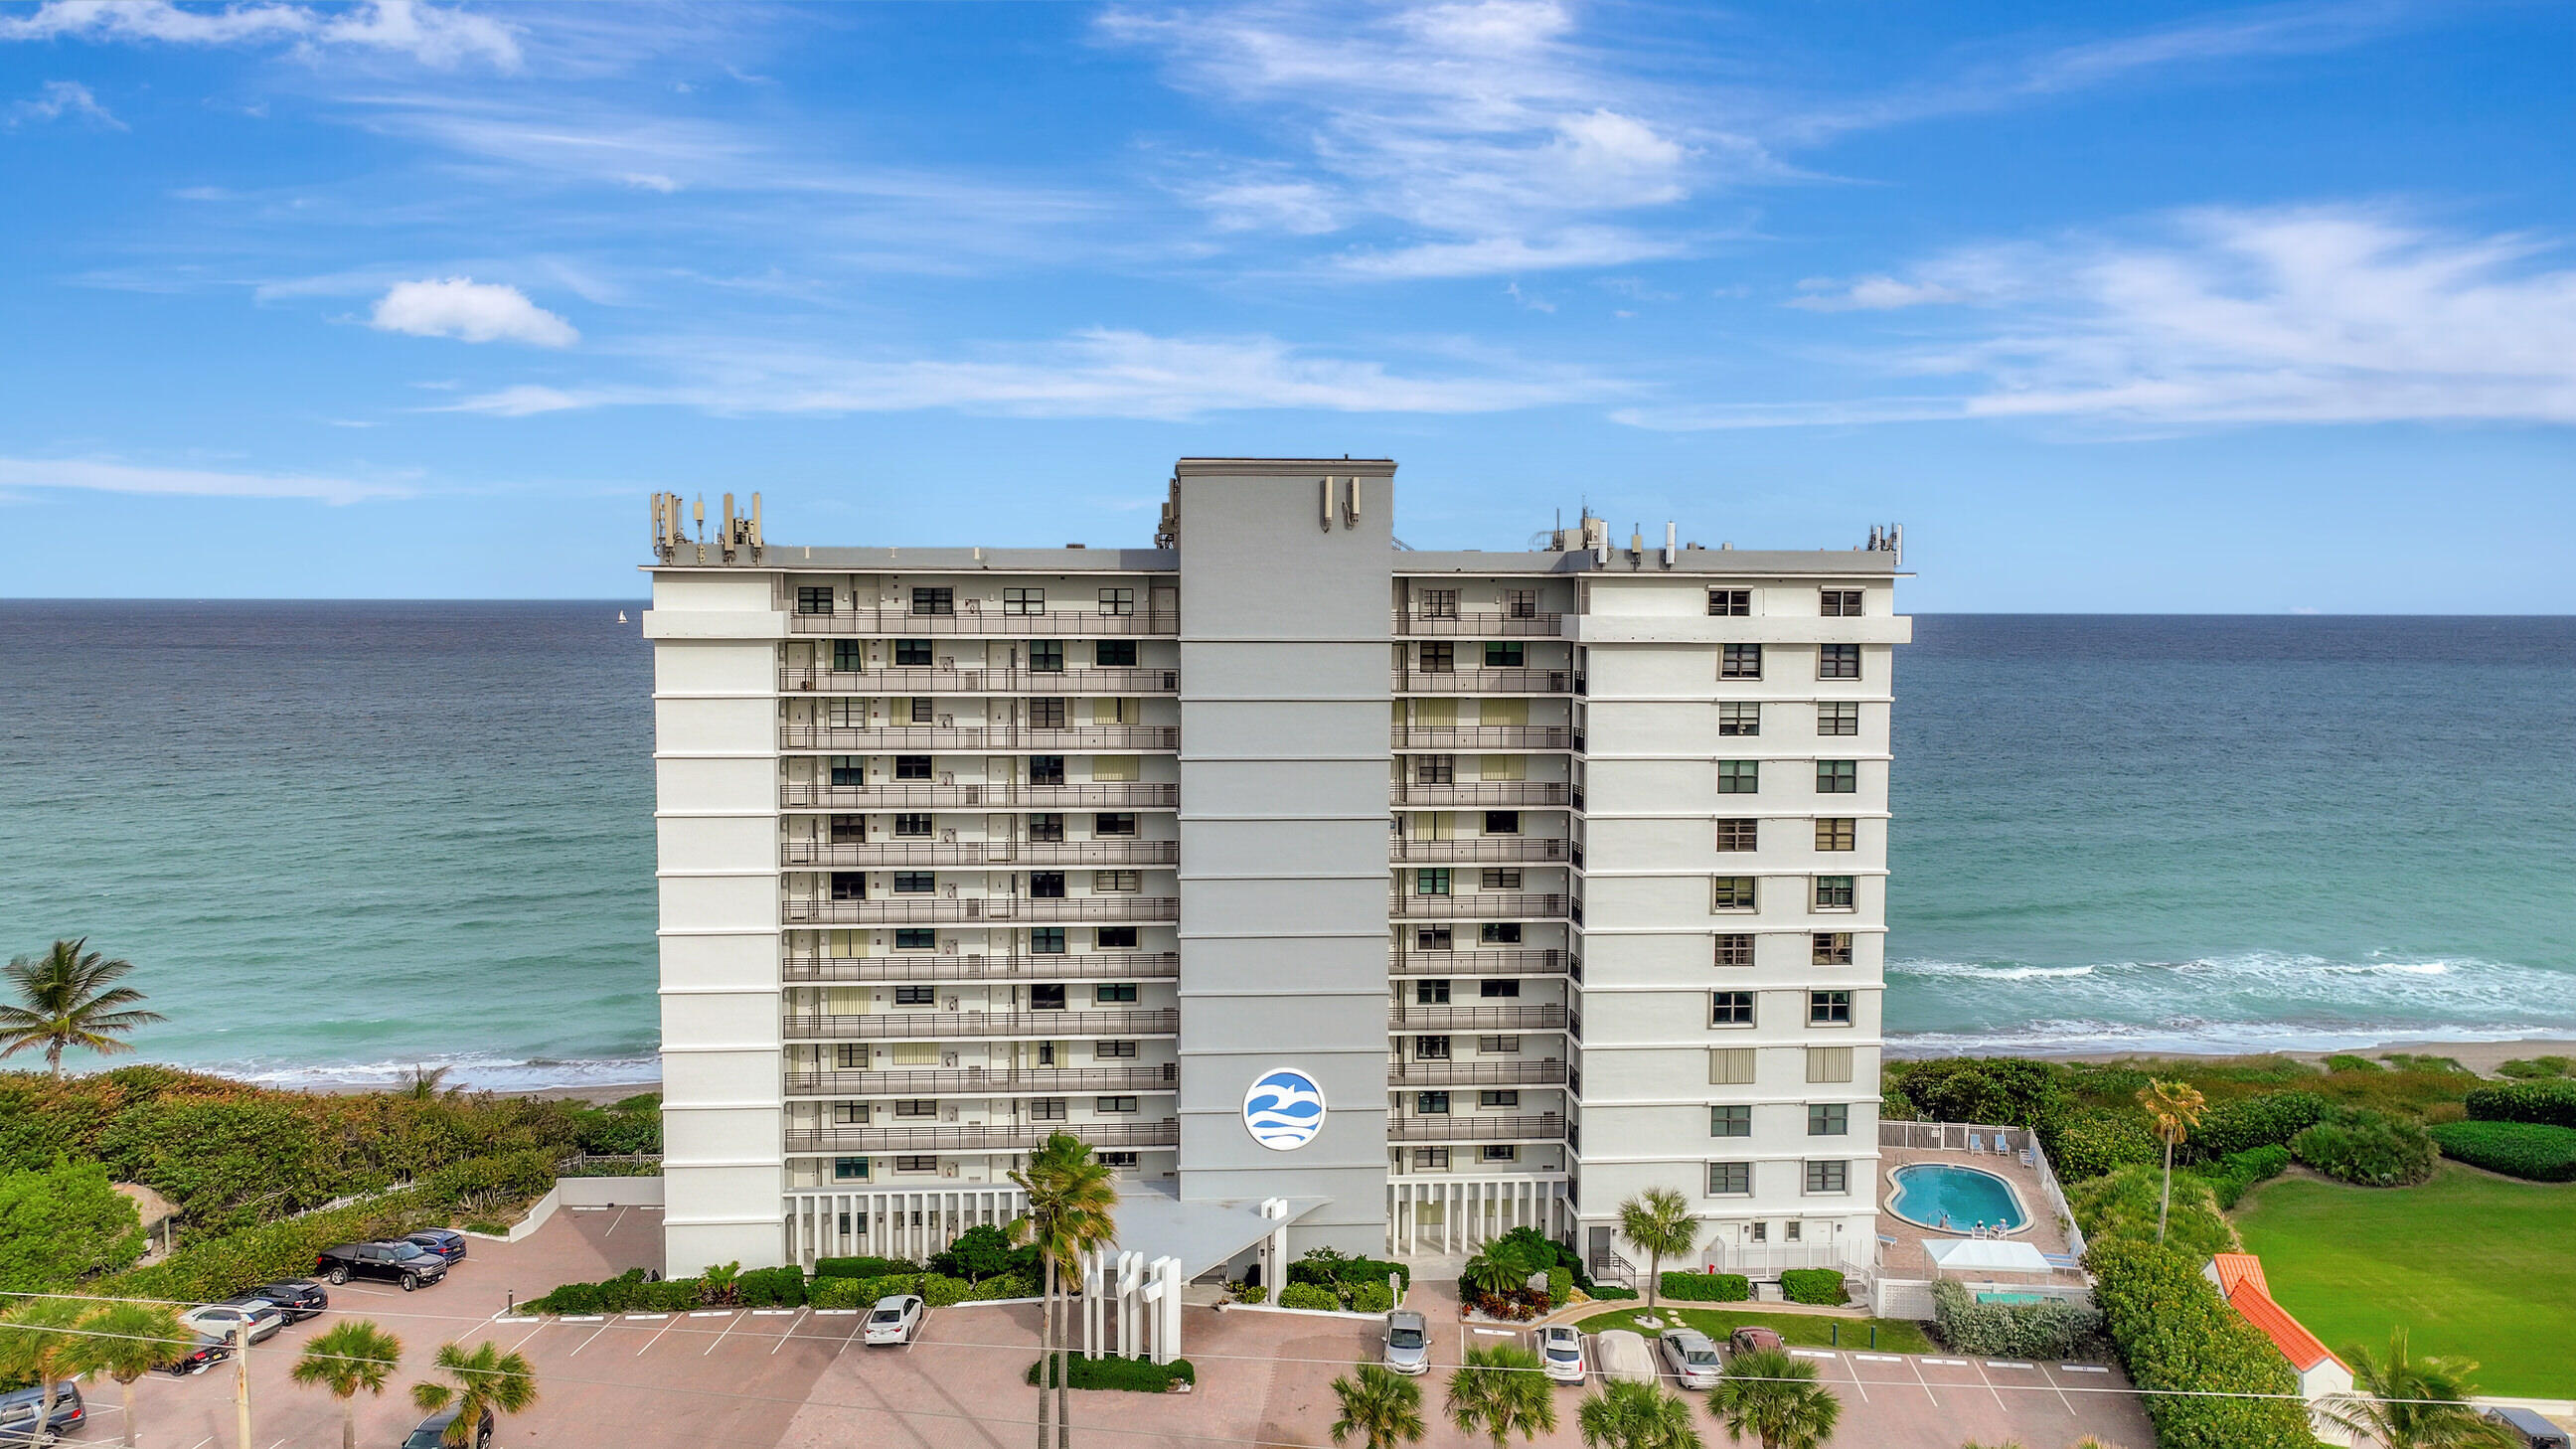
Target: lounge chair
(2027, 1159)
(2002, 1148)
(1976, 1143)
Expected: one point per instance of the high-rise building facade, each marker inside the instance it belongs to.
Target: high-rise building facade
(1434, 893)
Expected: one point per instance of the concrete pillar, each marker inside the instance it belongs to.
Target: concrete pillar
(1167, 1309)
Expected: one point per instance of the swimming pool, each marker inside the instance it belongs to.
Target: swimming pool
(1929, 1192)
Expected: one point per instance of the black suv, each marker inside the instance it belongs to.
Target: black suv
(18, 1411)
(297, 1298)
(445, 1242)
(406, 1263)
(203, 1353)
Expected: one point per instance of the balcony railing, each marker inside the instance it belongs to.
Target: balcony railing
(1415, 794)
(1070, 966)
(1004, 739)
(1538, 1127)
(1475, 1018)
(1483, 737)
(1481, 848)
(1479, 624)
(979, 853)
(1051, 624)
(1483, 681)
(1403, 962)
(982, 1025)
(914, 796)
(939, 910)
(983, 1082)
(1001, 679)
(979, 1137)
(1481, 906)
(1547, 1073)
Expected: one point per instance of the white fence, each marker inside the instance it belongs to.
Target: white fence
(1953, 1137)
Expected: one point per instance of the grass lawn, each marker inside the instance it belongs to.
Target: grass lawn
(2471, 1265)
(1803, 1330)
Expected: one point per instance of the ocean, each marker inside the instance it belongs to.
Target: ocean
(342, 839)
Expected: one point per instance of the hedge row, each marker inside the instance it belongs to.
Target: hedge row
(1309, 1295)
(2550, 1100)
(2535, 1151)
(863, 1267)
(1812, 1285)
(2232, 1176)
(2052, 1328)
(2250, 1122)
(206, 1270)
(2368, 1148)
(1137, 1375)
(936, 1290)
(1707, 1287)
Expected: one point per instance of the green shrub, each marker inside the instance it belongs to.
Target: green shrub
(2535, 1151)
(982, 1252)
(2367, 1148)
(2412, 1062)
(2251, 1122)
(1707, 1287)
(2551, 1100)
(62, 1224)
(2539, 1067)
(206, 1269)
(1371, 1298)
(1007, 1285)
(2172, 1332)
(2052, 1328)
(2346, 1062)
(1308, 1295)
(863, 1267)
(630, 1126)
(626, 1293)
(2000, 1091)
(771, 1288)
(1610, 1291)
(1331, 1269)
(481, 1182)
(2123, 1204)
(1135, 1375)
(1812, 1285)
(860, 1292)
(2231, 1177)
(2097, 1140)
(1560, 1285)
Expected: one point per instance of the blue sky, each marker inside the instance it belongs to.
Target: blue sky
(2115, 307)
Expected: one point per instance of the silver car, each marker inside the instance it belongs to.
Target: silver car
(1408, 1342)
(1691, 1357)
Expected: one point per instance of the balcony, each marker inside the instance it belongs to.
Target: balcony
(1482, 849)
(993, 1082)
(910, 679)
(1071, 966)
(1482, 681)
(1413, 794)
(1483, 737)
(1479, 624)
(942, 910)
(1472, 1018)
(1470, 964)
(912, 795)
(979, 853)
(1051, 624)
(1547, 1073)
(998, 739)
(1481, 906)
(1537, 1127)
(980, 1137)
(984, 1025)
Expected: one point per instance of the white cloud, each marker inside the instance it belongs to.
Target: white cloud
(106, 475)
(1869, 294)
(649, 181)
(59, 99)
(470, 311)
(437, 35)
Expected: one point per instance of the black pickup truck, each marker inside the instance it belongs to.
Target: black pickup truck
(406, 1263)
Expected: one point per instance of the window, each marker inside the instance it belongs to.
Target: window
(912, 825)
(1046, 714)
(1113, 1104)
(1431, 882)
(1837, 833)
(1503, 654)
(1499, 1046)
(1047, 827)
(1046, 656)
(849, 655)
(1838, 717)
(1837, 777)
(1829, 1008)
(1739, 834)
(1499, 933)
(1431, 1159)
(1730, 1067)
(1828, 1177)
(1114, 653)
(1789, 1230)
(1434, 769)
(849, 885)
(1046, 885)
(916, 938)
(848, 829)
(1829, 1064)
(915, 882)
(1113, 992)
(1839, 603)
(912, 653)
(1439, 604)
(934, 601)
(813, 598)
(1832, 948)
(1739, 718)
(1119, 1161)
(1115, 822)
(1432, 938)
(1502, 822)
(912, 767)
(1492, 989)
(1730, 1008)
(1730, 1179)
(848, 771)
(1431, 993)
(1739, 777)
(849, 1169)
(1023, 602)
(1760, 1232)
(1113, 1051)
(1520, 603)
(1046, 941)
(1436, 657)
(1119, 601)
(1833, 893)
(916, 1107)
(1047, 1109)
(1739, 661)
(849, 1114)
(1117, 882)
(1828, 1119)
(1735, 1121)
(1114, 938)
(1046, 769)
(850, 1055)
(1730, 603)
(922, 709)
(1731, 893)
(916, 1164)
(1048, 996)
(1838, 661)
(1498, 1099)
(1734, 948)
(1431, 1048)
(1504, 879)
(1499, 1152)
(1431, 1104)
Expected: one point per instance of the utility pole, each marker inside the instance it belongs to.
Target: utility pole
(241, 1381)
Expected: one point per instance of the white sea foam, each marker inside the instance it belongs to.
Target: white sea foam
(478, 1070)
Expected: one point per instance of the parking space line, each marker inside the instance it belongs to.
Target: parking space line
(1926, 1383)
(2081, 1368)
(2061, 1393)
(720, 1336)
(1990, 1388)
(782, 1338)
(670, 1321)
(857, 1322)
(1856, 1380)
(533, 1332)
(605, 1325)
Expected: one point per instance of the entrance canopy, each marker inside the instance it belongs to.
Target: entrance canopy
(1985, 1255)
(1203, 1235)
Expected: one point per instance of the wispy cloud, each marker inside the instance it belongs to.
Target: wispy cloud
(108, 475)
(436, 35)
(470, 311)
(57, 100)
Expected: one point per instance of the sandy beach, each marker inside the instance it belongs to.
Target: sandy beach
(2481, 1057)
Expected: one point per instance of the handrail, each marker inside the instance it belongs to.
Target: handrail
(1471, 962)
(990, 852)
(1037, 910)
(981, 1081)
(1480, 792)
(1000, 679)
(1486, 849)
(1476, 1018)
(1070, 966)
(979, 1025)
(1008, 739)
(902, 622)
(970, 1137)
(1483, 681)
(1480, 906)
(800, 795)
(1543, 1073)
(1541, 1127)
(1481, 737)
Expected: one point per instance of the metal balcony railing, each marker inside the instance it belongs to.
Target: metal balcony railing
(1475, 1018)
(981, 1025)
(1483, 737)
(1070, 966)
(939, 910)
(1547, 1073)
(1418, 795)
(1471, 963)
(1487, 849)
(1483, 681)
(1002, 739)
(984, 1082)
(915, 796)
(1539, 1127)
(978, 853)
(917, 679)
(1478, 624)
(979, 1137)
(1051, 624)
(1481, 906)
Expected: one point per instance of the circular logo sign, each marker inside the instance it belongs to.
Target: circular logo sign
(1284, 1110)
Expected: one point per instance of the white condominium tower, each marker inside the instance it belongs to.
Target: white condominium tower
(1414, 896)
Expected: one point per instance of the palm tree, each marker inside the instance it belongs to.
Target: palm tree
(69, 1002)
(353, 1355)
(2404, 1402)
(1501, 1391)
(1383, 1407)
(1636, 1416)
(2176, 1108)
(1071, 1198)
(1658, 1223)
(1487, 1274)
(421, 1084)
(1776, 1399)
(128, 1340)
(39, 1340)
(487, 1378)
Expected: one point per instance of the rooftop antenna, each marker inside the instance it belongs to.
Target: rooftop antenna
(701, 521)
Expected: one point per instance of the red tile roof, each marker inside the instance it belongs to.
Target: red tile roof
(2236, 1268)
(2290, 1336)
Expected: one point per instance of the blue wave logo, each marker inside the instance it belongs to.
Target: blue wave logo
(1284, 1110)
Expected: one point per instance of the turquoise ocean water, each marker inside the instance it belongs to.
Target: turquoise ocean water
(342, 838)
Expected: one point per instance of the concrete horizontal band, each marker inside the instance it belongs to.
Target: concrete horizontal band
(775, 1104)
(771, 693)
(1860, 982)
(1367, 875)
(715, 754)
(1304, 993)
(1373, 757)
(771, 989)
(750, 1048)
(1716, 1040)
(769, 1221)
(1386, 638)
(1378, 935)
(754, 813)
(1765, 1099)
(752, 932)
(752, 871)
(1855, 1156)
(1377, 817)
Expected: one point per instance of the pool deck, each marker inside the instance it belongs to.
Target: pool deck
(1905, 1257)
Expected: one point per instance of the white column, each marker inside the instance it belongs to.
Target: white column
(1167, 1309)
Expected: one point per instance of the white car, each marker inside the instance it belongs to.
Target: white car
(223, 1319)
(1560, 1348)
(1691, 1357)
(895, 1319)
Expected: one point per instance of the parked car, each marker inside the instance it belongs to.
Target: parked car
(297, 1298)
(432, 1432)
(1560, 1349)
(1623, 1357)
(2529, 1428)
(1408, 1342)
(1691, 1357)
(19, 1408)
(202, 1354)
(447, 1243)
(1749, 1339)
(225, 1319)
(895, 1319)
(409, 1264)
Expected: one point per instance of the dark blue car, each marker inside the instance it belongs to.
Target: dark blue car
(447, 1243)
(19, 1408)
